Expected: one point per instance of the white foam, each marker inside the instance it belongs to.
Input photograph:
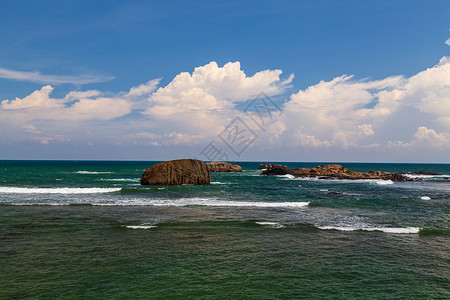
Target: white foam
(382, 182)
(212, 202)
(91, 172)
(16, 190)
(405, 230)
(271, 224)
(120, 179)
(288, 176)
(337, 180)
(419, 176)
(209, 202)
(217, 182)
(140, 226)
(425, 198)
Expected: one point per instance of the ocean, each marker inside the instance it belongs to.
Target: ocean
(88, 230)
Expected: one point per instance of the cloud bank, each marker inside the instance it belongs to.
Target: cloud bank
(381, 116)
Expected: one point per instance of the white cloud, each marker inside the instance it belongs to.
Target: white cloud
(349, 113)
(144, 89)
(36, 76)
(447, 42)
(343, 114)
(37, 99)
(309, 141)
(83, 106)
(430, 136)
(424, 138)
(202, 103)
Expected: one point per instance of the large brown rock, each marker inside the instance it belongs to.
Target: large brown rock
(177, 172)
(220, 166)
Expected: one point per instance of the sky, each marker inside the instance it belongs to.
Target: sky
(326, 81)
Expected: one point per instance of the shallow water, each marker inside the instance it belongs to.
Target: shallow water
(89, 230)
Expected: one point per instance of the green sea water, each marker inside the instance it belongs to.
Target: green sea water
(88, 230)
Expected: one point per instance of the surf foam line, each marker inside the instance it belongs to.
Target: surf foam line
(17, 190)
(140, 226)
(270, 224)
(418, 176)
(207, 202)
(91, 172)
(120, 179)
(376, 181)
(399, 230)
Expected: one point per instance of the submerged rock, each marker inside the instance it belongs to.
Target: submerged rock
(332, 171)
(177, 172)
(220, 166)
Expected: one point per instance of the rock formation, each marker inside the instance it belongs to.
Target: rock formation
(177, 172)
(268, 166)
(220, 166)
(332, 171)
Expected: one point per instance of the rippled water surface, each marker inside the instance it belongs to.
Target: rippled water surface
(89, 230)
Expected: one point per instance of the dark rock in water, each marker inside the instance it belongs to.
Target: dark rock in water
(268, 166)
(332, 171)
(221, 166)
(276, 170)
(177, 172)
(335, 193)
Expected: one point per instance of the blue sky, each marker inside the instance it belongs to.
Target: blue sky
(92, 53)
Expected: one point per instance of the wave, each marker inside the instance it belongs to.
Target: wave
(16, 190)
(418, 176)
(373, 181)
(217, 182)
(289, 176)
(425, 198)
(140, 226)
(120, 179)
(271, 224)
(172, 202)
(399, 230)
(91, 172)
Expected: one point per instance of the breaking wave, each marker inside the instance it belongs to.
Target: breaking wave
(270, 224)
(140, 226)
(399, 230)
(17, 190)
(165, 202)
(373, 181)
(91, 172)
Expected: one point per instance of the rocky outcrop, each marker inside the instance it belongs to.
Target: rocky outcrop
(332, 171)
(268, 166)
(177, 172)
(220, 166)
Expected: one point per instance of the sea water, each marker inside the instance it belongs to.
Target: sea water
(73, 229)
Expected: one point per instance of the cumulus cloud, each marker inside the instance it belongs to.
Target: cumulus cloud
(343, 114)
(76, 105)
(36, 76)
(144, 89)
(346, 113)
(424, 138)
(202, 103)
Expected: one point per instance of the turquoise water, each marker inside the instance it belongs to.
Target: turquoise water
(88, 230)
